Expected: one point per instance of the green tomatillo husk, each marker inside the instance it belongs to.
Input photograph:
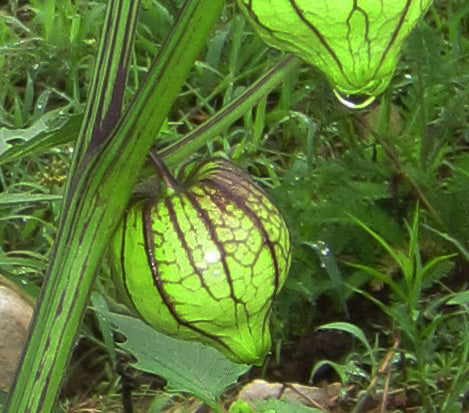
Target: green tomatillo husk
(355, 43)
(206, 261)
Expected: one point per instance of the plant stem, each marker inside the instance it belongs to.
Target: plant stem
(59, 309)
(103, 176)
(181, 149)
(163, 172)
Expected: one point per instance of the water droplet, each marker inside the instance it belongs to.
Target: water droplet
(22, 272)
(322, 248)
(358, 101)
(396, 359)
(212, 257)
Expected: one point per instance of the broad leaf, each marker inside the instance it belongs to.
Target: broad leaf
(49, 131)
(187, 366)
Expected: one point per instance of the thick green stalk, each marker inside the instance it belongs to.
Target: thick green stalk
(110, 73)
(103, 177)
(112, 59)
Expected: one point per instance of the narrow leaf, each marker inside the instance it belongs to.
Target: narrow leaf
(25, 198)
(351, 329)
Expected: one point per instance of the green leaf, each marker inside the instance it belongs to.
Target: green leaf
(351, 329)
(159, 403)
(463, 251)
(396, 255)
(187, 366)
(461, 299)
(99, 302)
(355, 44)
(53, 129)
(240, 406)
(330, 265)
(338, 368)
(25, 198)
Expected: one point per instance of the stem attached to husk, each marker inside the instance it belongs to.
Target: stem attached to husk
(163, 172)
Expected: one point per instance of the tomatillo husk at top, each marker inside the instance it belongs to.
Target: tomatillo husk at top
(355, 43)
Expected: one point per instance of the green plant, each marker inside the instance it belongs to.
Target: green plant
(416, 322)
(90, 146)
(104, 107)
(315, 158)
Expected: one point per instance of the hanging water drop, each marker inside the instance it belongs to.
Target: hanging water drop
(358, 101)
